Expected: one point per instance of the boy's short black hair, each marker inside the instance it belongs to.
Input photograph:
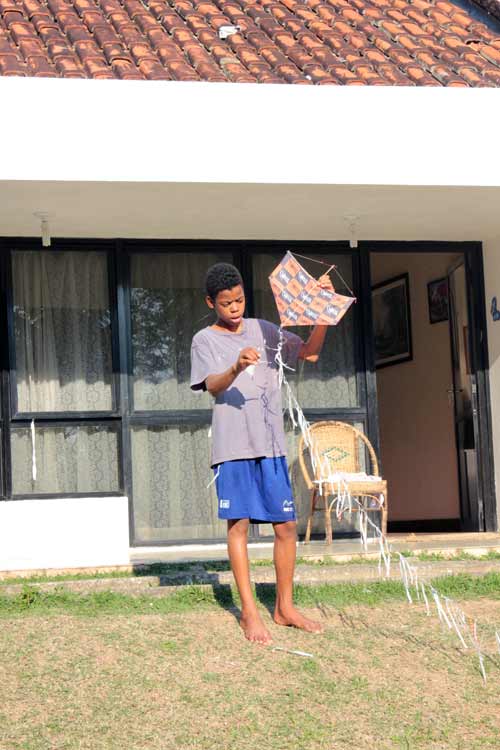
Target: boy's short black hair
(221, 276)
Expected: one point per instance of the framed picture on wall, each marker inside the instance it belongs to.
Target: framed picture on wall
(437, 296)
(392, 321)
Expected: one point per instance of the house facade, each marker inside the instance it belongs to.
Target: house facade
(116, 196)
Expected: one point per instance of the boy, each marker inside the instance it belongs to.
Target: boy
(234, 360)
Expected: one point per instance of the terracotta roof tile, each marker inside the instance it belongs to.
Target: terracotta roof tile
(357, 42)
(68, 67)
(492, 74)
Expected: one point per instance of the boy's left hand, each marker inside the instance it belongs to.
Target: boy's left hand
(325, 282)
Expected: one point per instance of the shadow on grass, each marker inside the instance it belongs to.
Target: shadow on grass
(188, 569)
(207, 573)
(223, 595)
(265, 593)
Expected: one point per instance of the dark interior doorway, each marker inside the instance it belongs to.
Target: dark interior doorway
(432, 420)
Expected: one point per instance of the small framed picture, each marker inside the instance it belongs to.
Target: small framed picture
(438, 299)
(392, 321)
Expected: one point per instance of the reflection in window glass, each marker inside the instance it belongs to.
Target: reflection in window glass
(168, 307)
(171, 471)
(69, 459)
(331, 382)
(62, 331)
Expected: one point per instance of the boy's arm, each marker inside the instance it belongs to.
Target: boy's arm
(311, 349)
(215, 384)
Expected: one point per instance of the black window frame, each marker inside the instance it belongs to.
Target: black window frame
(11, 418)
(61, 247)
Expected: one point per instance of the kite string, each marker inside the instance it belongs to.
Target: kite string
(344, 281)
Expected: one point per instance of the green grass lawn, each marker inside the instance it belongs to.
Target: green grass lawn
(107, 671)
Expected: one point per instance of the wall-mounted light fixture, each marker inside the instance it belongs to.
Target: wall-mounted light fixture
(44, 227)
(352, 225)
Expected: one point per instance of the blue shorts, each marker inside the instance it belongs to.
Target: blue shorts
(255, 488)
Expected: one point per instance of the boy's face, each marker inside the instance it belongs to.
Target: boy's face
(229, 305)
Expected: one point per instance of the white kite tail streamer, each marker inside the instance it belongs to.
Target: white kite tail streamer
(450, 614)
(454, 620)
(214, 478)
(33, 451)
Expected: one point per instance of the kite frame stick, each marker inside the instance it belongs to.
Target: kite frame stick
(331, 268)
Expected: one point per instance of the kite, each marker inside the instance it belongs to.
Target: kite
(301, 301)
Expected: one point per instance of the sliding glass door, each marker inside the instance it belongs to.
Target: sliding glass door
(170, 441)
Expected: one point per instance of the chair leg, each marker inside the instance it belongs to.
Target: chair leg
(310, 517)
(385, 513)
(328, 522)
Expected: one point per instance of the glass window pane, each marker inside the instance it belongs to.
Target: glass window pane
(171, 471)
(70, 458)
(168, 307)
(331, 382)
(62, 331)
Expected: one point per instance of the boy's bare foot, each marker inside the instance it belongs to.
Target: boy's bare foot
(254, 629)
(291, 617)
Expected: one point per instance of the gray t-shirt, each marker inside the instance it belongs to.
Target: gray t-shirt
(247, 419)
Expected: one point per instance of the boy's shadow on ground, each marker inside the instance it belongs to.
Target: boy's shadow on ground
(264, 592)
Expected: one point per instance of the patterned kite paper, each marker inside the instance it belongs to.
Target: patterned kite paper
(300, 299)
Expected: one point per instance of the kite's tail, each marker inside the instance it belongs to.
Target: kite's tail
(448, 611)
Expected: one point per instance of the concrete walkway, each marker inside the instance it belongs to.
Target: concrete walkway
(342, 550)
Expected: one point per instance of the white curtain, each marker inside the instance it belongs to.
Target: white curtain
(168, 308)
(73, 458)
(62, 331)
(170, 477)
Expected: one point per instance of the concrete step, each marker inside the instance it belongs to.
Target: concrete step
(305, 574)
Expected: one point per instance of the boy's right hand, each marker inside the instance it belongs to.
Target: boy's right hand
(248, 356)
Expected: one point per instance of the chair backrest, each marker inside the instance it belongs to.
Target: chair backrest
(339, 443)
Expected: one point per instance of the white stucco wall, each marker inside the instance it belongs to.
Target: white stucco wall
(491, 251)
(63, 533)
(175, 131)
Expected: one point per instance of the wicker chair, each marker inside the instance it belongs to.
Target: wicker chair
(341, 443)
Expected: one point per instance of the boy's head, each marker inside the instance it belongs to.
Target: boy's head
(225, 293)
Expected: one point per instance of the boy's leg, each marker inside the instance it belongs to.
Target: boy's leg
(285, 542)
(251, 621)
